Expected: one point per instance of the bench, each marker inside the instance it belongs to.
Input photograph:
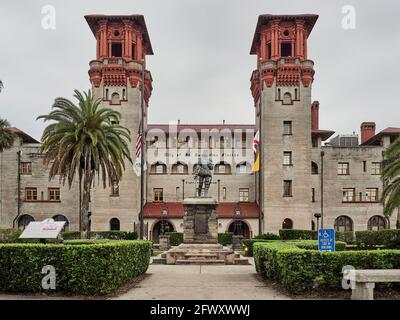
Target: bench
(363, 281)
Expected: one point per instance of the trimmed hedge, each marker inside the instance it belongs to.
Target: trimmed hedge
(267, 236)
(249, 245)
(294, 234)
(110, 235)
(175, 238)
(85, 269)
(299, 270)
(225, 238)
(389, 238)
(346, 236)
(9, 235)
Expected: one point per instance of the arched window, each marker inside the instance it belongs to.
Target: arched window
(314, 168)
(24, 220)
(239, 228)
(343, 223)
(62, 218)
(243, 168)
(160, 228)
(287, 98)
(115, 98)
(287, 224)
(115, 225)
(376, 223)
(222, 168)
(158, 168)
(180, 168)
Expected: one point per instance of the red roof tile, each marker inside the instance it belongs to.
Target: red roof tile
(176, 210)
(375, 140)
(26, 138)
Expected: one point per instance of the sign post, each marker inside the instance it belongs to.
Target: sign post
(326, 240)
(46, 229)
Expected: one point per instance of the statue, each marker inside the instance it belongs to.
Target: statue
(203, 175)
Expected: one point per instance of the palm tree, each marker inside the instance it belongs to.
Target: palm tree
(1, 85)
(84, 140)
(391, 180)
(6, 136)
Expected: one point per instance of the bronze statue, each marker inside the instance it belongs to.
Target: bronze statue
(203, 175)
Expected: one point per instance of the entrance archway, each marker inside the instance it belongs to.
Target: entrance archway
(239, 228)
(160, 228)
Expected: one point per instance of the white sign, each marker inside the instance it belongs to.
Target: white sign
(46, 229)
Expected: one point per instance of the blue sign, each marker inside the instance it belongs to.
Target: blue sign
(326, 240)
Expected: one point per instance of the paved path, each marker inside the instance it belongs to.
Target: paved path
(201, 283)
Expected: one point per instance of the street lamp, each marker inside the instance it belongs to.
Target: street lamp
(317, 216)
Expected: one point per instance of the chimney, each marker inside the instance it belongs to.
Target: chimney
(179, 122)
(223, 121)
(315, 115)
(367, 131)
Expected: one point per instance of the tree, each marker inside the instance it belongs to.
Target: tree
(1, 85)
(6, 136)
(84, 140)
(391, 180)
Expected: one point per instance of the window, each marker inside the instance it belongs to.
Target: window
(343, 168)
(287, 127)
(115, 189)
(343, 223)
(268, 49)
(287, 158)
(314, 168)
(115, 98)
(26, 168)
(286, 49)
(30, 194)
(24, 220)
(287, 98)
(371, 195)
(54, 194)
(116, 50)
(62, 218)
(224, 193)
(177, 193)
(134, 51)
(158, 168)
(364, 166)
(178, 168)
(243, 168)
(349, 194)
(312, 194)
(314, 141)
(158, 195)
(115, 225)
(244, 195)
(222, 168)
(376, 223)
(287, 188)
(287, 224)
(376, 168)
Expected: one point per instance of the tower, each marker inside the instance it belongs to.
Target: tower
(122, 43)
(284, 119)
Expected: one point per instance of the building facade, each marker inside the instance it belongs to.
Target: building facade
(302, 173)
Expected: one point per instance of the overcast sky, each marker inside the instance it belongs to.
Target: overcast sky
(201, 65)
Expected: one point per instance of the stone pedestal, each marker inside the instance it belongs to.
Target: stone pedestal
(200, 222)
(164, 243)
(237, 242)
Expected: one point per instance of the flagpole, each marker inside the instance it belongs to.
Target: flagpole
(260, 192)
(141, 222)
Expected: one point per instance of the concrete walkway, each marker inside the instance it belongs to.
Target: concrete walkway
(183, 282)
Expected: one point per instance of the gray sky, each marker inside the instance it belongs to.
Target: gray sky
(201, 65)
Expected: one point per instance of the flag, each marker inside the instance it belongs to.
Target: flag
(256, 145)
(138, 153)
(138, 146)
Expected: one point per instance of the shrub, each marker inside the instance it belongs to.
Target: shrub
(175, 238)
(111, 235)
(267, 236)
(346, 236)
(85, 269)
(225, 238)
(85, 241)
(299, 270)
(293, 234)
(389, 238)
(70, 235)
(9, 235)
(249, 245)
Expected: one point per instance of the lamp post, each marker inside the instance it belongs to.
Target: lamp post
(317, 216)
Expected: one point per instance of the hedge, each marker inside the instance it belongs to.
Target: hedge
(300, 270)
(249, 244)
(9, 235)
(346, 236)
(225, 238)
(389, 238)
(175, 238)
(111, 235)
(267, 236)
(83, 269)
(294, 234)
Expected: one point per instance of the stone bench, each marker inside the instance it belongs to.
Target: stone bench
(363, 281)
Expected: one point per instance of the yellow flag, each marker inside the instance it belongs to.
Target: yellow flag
(256, 165)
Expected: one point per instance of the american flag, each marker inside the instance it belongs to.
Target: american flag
(138, 147)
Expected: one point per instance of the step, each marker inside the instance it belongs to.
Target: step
(197, 261)
(241, 261)
(201, 254)
(159, 261)
(164, 255)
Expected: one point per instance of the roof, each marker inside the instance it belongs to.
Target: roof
(224, 210)
(26, 138)
(324, 134)
(263, 19)
(374, 140)
(138, 19)
(199, 127)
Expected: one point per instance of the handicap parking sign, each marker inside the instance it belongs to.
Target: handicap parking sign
(326, 240)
